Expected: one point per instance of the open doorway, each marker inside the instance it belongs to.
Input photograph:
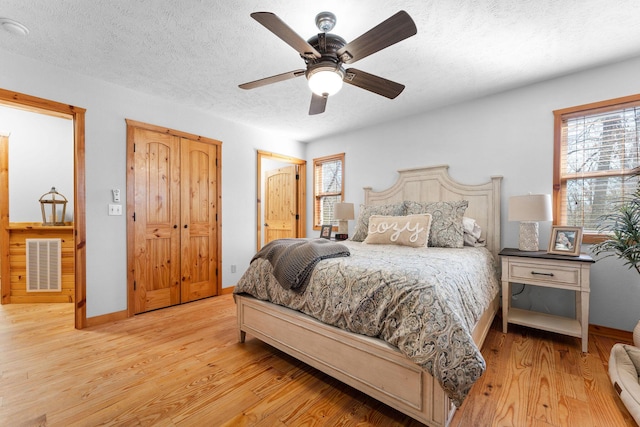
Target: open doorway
(281, 206)
(76, 115)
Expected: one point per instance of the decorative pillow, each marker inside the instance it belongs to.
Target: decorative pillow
(446, 222)
(410, 230)
(472, 232)
(366, 211)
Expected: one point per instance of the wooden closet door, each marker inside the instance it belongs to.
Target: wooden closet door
(157, 220)
(280, 203)
(199, 275)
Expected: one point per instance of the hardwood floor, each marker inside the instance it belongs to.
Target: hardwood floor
(182, 366)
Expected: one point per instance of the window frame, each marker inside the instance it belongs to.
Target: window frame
(558, 180)
(316, 196)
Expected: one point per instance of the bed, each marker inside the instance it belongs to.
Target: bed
(368, 363)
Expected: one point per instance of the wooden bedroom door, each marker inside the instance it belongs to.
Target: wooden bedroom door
(280, 203)
(176, 249)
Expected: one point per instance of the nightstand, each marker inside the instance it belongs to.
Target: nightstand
(550, 271)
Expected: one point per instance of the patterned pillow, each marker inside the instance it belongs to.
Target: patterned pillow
(360, 233)
(410, 230)
(446, 222)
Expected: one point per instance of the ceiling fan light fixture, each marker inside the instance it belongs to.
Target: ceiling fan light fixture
(324, 81)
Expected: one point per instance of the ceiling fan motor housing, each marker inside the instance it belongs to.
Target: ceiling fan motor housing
(327, 44)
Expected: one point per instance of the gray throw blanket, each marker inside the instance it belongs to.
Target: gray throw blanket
(293, 260)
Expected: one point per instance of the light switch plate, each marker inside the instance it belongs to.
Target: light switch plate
(115, 210)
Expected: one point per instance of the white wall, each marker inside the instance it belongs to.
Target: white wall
(107, 107)
(509, 134)
(40, 157)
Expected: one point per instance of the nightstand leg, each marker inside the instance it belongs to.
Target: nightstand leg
(582, 314)
(506, 303)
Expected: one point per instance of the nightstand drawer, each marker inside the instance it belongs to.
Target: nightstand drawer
(529, 271)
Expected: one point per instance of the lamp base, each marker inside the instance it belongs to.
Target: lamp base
(529, 236)
(343, 226)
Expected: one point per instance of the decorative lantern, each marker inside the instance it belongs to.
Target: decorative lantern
(49, 203)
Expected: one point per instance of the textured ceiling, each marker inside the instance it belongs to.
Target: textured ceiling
(196, 52)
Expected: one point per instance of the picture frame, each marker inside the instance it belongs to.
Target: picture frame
(565, 240)
(325, 231)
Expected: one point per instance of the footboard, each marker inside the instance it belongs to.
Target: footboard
(367, 364)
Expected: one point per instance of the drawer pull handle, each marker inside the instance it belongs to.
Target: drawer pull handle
(542, 274)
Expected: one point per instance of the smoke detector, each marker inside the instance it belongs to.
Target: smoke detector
(13, 27)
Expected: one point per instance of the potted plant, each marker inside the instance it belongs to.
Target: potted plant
(622, 227)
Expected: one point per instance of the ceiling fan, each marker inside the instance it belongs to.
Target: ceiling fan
(326, 53)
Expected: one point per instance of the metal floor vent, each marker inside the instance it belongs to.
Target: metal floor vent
(43, 265)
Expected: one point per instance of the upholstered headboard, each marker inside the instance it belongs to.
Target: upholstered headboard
(433, 184)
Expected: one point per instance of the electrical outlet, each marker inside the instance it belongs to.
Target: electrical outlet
(233, 268)
(115, 210)
(116, 194)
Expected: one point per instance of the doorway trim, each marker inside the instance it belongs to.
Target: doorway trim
(57, 109)
(301, 192)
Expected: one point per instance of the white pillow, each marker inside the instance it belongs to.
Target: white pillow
(472, 232)
(410, 230)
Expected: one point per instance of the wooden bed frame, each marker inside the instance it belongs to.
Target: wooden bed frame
(369, 364)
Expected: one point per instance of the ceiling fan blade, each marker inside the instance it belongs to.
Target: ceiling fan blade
(273, 79)
(274, 24)
(395, 29)
(318, 104)
(372, 83)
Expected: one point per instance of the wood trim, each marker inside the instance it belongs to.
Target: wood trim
(219, 215)
(616, 334)
(130, 179)
(79, 221)
(77, 114)
(319, 160)
(107, 318)
(301, 192)
(5, 272)
(168, 131)
(597, 105)
(557, 146)
(227, 291)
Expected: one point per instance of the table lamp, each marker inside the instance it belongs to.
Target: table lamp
(529, 210)
(343, 212)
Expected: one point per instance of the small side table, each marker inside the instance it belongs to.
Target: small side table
(551, 271)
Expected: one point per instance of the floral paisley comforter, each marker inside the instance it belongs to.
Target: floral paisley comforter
(424, 301)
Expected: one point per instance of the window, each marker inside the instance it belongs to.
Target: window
(596, 152)
(328, 188)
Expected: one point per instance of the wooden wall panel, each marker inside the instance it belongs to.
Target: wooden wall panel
(18, 233)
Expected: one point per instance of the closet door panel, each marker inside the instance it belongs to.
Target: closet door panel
(199, 222)
(157, 215)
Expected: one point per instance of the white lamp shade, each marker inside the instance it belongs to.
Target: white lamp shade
(325, 82)
(343, 211)
(531, 207)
